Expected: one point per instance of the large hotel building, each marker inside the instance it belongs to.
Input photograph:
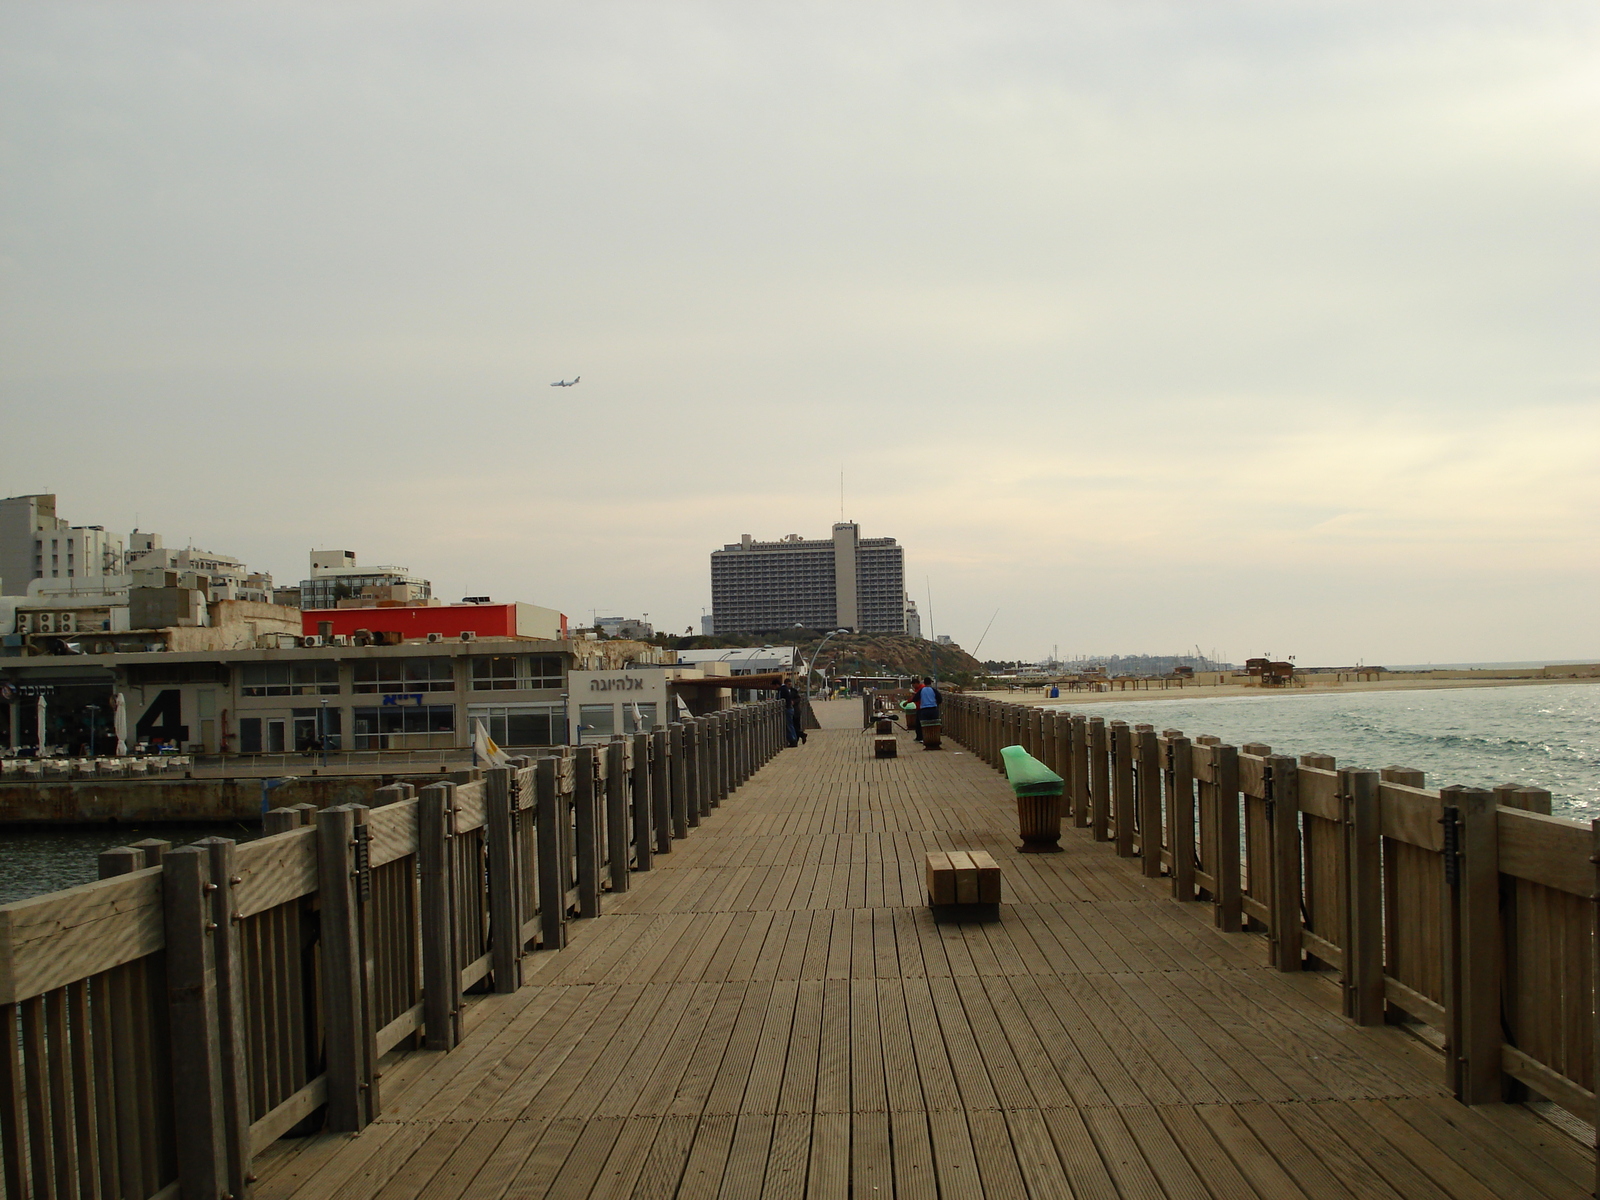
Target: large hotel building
(843, 582)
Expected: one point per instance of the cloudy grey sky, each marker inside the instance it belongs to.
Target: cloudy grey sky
(1267, 326)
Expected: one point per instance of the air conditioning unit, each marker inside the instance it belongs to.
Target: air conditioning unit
(67, 623)
(436, 637)
(25, 622)
(45, 622)
(338, 639)
(311, 641)
(468, 635)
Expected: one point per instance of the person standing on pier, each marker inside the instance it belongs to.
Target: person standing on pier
(790, 695)
(927, 697)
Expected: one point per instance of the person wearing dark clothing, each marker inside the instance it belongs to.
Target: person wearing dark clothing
(790, 695)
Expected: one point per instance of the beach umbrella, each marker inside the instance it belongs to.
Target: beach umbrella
(39, 709)
(119, 720)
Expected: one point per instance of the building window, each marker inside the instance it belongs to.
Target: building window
(497, 672)
(249, 735)
(515, 672)
(402, 727)
(312, 724)
(521, 724)
(404, 675)
(596, 722)
(289, 679)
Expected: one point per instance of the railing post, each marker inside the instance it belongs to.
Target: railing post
(1363, 951)
(1530, 799)
(280, 820)
(1594, 961)
(505, 880)
(1151, 838)
(661, 788)
(1099, 779)
(707, 766)
(680, 780)
(1180, 814)
(1122, 786)
(691, 770)
(619, 826)
(586, 829)
(1228, 899)
(643, 809)
(1473, 940)
(131, 1110)
(197, 1082)
(719, 759)
(551, 851)
(1078, 778)
(441, 972)
(1283, 818)
(341, 880)
(234, 1051)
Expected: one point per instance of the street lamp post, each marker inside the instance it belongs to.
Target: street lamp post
(813, 659)
(322, 733)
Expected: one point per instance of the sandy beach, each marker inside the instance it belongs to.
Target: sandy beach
(1195, 691)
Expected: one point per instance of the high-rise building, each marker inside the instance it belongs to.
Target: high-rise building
(843, 582)
(37, 544)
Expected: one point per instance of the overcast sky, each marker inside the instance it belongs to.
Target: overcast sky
(1265, 326)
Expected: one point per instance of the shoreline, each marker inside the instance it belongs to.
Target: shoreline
(1037, 697)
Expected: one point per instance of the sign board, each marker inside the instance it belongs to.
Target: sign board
(13, 691)
(402, 700)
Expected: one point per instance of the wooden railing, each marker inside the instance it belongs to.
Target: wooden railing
(160, 1027)
(1470, 912)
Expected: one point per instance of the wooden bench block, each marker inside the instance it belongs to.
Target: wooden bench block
(885, 725)
(885, 747)
(966, 873)
(941, 879)
(963, 877)
(988, 876)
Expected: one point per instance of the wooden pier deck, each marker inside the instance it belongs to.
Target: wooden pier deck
(773, 1011)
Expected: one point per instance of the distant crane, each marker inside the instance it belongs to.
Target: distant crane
(567, 382)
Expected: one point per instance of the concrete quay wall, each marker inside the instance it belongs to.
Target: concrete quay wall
(106, 801)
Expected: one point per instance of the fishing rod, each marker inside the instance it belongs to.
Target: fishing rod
(986, 629)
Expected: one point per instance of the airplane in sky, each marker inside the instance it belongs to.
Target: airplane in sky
(567, 382)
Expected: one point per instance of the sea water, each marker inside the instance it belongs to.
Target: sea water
(1537, 735)
(33, 861)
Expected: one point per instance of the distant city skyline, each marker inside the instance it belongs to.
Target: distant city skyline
(1259, 327)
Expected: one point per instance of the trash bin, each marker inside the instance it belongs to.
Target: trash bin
(1038, 790)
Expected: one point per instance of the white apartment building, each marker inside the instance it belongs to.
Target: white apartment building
(37, 544)
(635, 628)
(913, 619)
(335, 576)
(230, 578)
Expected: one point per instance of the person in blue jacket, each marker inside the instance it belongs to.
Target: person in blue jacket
(927, 708)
